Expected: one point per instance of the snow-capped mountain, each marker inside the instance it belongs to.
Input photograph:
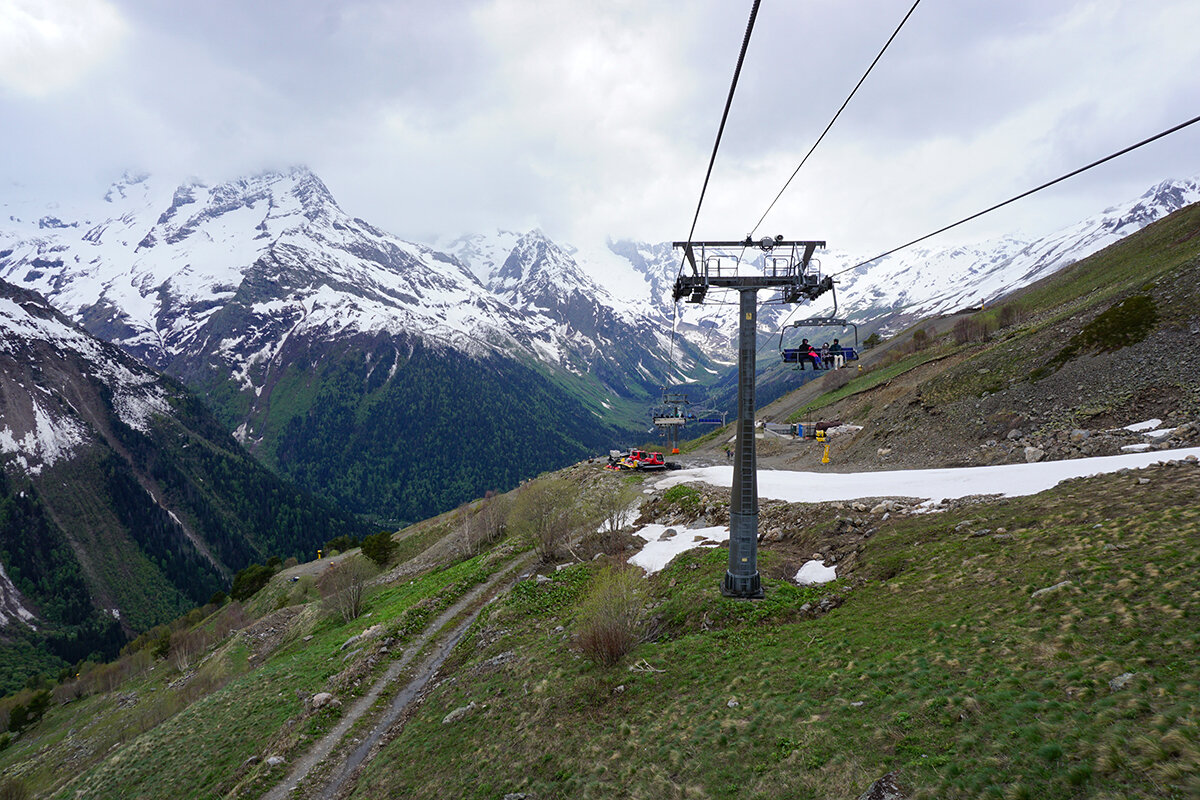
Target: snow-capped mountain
(219, 277)
(41, 425)
(922, 281)
(263, 294)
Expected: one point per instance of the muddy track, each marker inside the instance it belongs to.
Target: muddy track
(403, 699)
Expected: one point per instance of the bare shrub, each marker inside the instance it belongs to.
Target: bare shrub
(1011, 314)
(613, 504)
(482, 524)
(492, 517)
(231, 617)
(611, 615)
(971, 329)
(343, 586)
(187, 646)
(544, 514)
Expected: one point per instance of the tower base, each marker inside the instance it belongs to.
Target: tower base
(745, 587)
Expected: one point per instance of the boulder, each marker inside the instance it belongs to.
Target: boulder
(1033, 454)
(1121, 681)
(886, 788)
(1049, 589)
(459, 713)
(322, 699)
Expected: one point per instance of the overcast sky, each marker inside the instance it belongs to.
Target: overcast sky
(594, 118)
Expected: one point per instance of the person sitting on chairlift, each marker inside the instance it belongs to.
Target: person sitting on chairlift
(839, 355)
(825, 355)
(808, 353)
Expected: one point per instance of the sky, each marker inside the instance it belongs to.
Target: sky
(595, 119)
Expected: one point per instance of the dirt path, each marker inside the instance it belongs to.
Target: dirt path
(321, 750)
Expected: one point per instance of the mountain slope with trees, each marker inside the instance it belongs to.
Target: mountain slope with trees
(123, 502)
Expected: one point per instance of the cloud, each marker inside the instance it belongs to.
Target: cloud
(47, 47)
(596, 118)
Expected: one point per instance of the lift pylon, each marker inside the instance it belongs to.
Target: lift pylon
(787, 267)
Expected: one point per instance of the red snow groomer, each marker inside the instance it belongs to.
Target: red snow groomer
(636, 459)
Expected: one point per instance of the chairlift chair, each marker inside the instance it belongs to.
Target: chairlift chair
(796, 358)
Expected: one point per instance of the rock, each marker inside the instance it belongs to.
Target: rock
(857, 704)
(543, 578)
(1049, 589)
(459, 713)
(1078, 436)
(322, 699)
(561, 567)
(1143, 481)
(829, 603)
(1013, 435)
(981, 532)
(516, 796)
(1121, 681)
(251, 760)
(1003, 537)
(860, 507)
(732, 704)
(620, 689)
(886, 788)
(275, 761)
(884, 452)
(1033, 454)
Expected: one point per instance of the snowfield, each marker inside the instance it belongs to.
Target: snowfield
(930, 485)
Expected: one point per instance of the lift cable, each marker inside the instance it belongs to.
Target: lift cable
(1046, 185)
(724, 116)
(835, 118)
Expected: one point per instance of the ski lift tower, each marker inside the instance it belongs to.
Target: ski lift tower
(671, 416)
(787, 268)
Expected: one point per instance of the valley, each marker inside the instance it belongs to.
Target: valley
(1037, 642)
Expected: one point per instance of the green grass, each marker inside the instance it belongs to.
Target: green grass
(868, 380)
(949, 670)
(163, 734)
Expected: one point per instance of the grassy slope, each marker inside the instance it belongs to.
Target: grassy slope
(967, 684)
(164, 733)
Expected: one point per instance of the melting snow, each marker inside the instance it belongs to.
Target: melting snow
(1011, 480)
(660, 548)
(815, 572)
(1148, 425)
(933, 485)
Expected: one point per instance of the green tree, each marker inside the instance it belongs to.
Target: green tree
(379, 547)
(249, 581)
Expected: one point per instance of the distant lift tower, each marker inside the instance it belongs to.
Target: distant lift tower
(788, 268)
(672, 415)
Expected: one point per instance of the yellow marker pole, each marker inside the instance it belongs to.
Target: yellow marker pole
(318, 555)
(825, 457)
